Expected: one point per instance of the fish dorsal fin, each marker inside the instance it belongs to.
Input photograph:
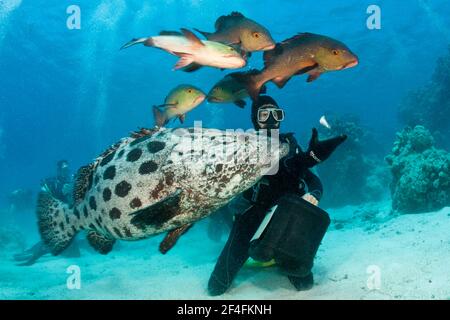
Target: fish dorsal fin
(297, 36)
(269, 55)
(224, 21)
(83, 182)
(192, 37)
(170, 33)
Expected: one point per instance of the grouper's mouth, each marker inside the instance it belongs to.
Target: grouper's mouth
(214, 99)
(268, 47)
(351, 64)
(199, 99)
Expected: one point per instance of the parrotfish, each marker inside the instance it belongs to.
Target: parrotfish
(192, 51)
(235, 29)
(304, 53)
(159, 180)
(178, 102)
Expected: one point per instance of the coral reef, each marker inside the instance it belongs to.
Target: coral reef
(430, 105)
(421, 172)
(354, 174)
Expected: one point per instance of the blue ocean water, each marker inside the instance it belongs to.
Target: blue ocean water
(68, 94)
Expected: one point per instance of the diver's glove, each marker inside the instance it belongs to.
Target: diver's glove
(318, 151)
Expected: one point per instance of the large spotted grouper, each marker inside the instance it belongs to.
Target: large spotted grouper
(157, 181)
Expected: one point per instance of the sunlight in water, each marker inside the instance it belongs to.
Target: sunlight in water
(97, 60)
(6, 8)
(435, 19)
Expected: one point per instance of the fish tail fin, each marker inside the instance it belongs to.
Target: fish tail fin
(250, 80)
(56, 222)
(146, 41)
(204, 33)
(160, 117)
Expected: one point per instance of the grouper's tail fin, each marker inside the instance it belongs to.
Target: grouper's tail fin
(146, 41)
(160, 117)
(250, 80)
(56, 222)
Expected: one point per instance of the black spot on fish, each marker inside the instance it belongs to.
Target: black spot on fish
(106, 194)
(100, 219)
(120, 154)
(61, 226)
(67, 218)
(92, 227)
(96, 179)
(109, 173)
(219, 167)
(155, 146)
(85, 212)
(74, 230)
(122, 189)
(135, 203)
(127, 232)
(92, 203)
(117, 231)
(76, 213)
(148, 167)
(134, 155)
(141, 139)
(107, 159)
(115, 213)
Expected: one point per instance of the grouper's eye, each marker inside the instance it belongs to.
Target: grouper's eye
(335, 52)
(256, 35)
(189, 90)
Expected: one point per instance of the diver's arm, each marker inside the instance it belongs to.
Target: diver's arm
(314, 185)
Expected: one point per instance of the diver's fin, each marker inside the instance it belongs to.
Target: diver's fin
(313, 75)
(172, 237)
(281, 81)
(170, 33)
(185, 60)
(192, 37)
(204, 33)
(101, 243)
(56, 222)
(160, 117)
(83, 182)
(146, 41)
(192, 67)
(158, 213)
(182, 117)
(240, 103)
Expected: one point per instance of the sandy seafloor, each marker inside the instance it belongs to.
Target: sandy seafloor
(410, 251)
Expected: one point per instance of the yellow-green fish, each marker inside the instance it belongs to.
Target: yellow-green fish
(192, 51)
(304, 53)
(236, 29)
(178, 102)
(229, 90)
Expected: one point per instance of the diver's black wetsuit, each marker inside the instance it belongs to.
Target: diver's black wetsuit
(291, 178)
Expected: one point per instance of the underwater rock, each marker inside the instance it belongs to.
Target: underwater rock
(421, 172)
(430, 105)
(352, 175)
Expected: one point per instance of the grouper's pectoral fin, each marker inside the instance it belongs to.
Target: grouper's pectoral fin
(157, 214)
(100, 242)
(172, 237)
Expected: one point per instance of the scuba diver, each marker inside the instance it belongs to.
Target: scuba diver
(279, 221)
(20, 200)
(61, 187)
